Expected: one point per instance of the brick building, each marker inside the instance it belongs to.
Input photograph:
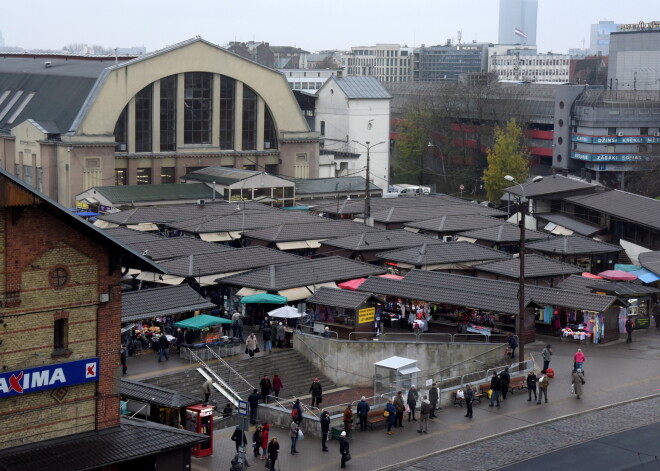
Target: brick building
(60, 320)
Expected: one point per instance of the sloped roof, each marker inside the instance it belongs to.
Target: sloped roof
(536, 266)
(221, 175)
(311, 186)
(156, 395)
(650, 261)
(147, 303)
(339, 297)
(620, 288)
(131, 440)
(572, 245)
(448, 252)
(623, 205)
(356, 206)
(503, 233)
(569, 222)
(455, 223)
(419, 213)
(132, 237)
(361, 87)
(303, 273)
(127, 194)
(550, 185)
(309, 231)
(165, 248)
(381, 240)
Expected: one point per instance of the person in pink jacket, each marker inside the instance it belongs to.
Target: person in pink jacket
(578, 358)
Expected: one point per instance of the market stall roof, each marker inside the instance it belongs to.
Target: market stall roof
(309, 231)
(622, 205)
(132, 237)
(617, 275)
(285, 312)
(650, 261)
(202, 321)
(618, 288)
(575, 299)
(352, 284)
(551, 185)
(264, 298)
(156, 395)
(340, 298)
(165, 248)
(154, 302)
(536, 266)
(355, 206)
(503, 233)
(454, 223)
(592, 276)
(420, 213)
(381, 240)
(560, 222)
(573, 245)
(447, 252)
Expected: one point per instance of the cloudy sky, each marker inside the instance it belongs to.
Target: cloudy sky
(338, 24)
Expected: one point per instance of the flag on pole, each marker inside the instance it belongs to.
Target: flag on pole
(519, 32)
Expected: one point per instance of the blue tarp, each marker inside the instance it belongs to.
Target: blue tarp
(645, 275)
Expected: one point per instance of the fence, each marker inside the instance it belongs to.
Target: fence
(427, 337)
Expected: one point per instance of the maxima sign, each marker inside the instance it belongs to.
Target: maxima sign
(49, 377)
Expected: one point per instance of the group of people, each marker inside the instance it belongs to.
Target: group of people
(270, 331)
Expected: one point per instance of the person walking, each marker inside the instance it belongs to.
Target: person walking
(656, 314)
(344, 449)
(434, 396)
(544, 382)
(163, 347)
(265, 430)
(280, 335)
(293, 433)
(577, 380)
(578, 359)
(273, 453)
(496, 388)
(505, 379)
(256, 441)
(348, 418)
(411, 400)
(325, 429)
(469, 399)
(546, 354)
(207, 387)
(363, 413)
(239, 438)
(629, 329)
(277, 385)
(400, 407)
(266, 388)
(390, 414)
(123, 355)
(297, 412)
(317, 392)
(266, 335)
(531, 385)
(253, 400)
(512, 340)
(424, 413)
(234, 323)
(251, 346)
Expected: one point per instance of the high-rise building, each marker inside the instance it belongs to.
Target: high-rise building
(634, 57)
(600, 37)
(518, 22)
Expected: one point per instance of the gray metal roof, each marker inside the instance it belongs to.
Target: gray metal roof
(573, 245)
(153, 302)
(165, 248)
(309, 231)
(356, 206)
(536, 266)
(508, 289)
(448, 252)
(221, 175)
(311, 186)
(550, 185)
(132, 237)
(622, 205)
(156, 395)
(619, 288)
(380, 240)
(339, 297)
(455, 223)
(569, 222)
(304, 273)
(650, 261)
(420, 213)
(128, 194)
(503, 233)
(360, 87)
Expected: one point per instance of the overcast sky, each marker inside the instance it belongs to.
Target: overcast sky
(313, 26)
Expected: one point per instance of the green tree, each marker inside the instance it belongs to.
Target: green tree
(508, 156)
(411, 148)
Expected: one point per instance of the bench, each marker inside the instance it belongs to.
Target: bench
(476, 397)
(376, 417)
(517, 382)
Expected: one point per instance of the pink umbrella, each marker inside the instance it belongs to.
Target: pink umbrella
(591, 275)
(617, 275)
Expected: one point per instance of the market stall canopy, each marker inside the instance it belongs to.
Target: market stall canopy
(592, 276)
(201, 321)
(264, 298)
(285, 312)
(352, 284)
(617, 275)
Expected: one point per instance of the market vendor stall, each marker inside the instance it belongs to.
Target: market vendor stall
(211, 335)
(345, 312)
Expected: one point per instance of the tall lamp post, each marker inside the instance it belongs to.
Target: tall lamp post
(520, 325)
(367, 193)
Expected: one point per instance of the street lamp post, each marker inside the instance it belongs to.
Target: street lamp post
(520, 324)
(367, 193)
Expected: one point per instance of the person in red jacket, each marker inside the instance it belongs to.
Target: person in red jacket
(265, 428)
(578, 358)
(277, 385)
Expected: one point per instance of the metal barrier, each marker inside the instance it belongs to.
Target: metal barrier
(457, 338)
(301, 330)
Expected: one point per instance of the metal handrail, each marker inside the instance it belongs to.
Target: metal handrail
(301, 331)
(232, 395)
(480, 337)
(228, 366)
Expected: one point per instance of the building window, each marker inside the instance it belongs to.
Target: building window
(143, 112)
(198, 103)
(121, 177)
(121, 136)
(270, 169)
(168, 113)
(611, 131)
(250, 167)
(227, 103)
(322, 128)
(270, 132)
(167, 175)
(249, 119)
(301, 158)
(58, 277)
(143, 176)
(61, 334)
(644, 131)
(27, 175)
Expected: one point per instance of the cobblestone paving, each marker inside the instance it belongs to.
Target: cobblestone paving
(509, 448)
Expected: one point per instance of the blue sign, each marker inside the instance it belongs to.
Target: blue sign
(16, 383)
(615, 139)
(243, 408)
(607, 157)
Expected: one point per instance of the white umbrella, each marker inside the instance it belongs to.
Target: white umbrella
(285, 312)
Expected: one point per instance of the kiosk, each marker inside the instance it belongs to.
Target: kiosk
(199, 418)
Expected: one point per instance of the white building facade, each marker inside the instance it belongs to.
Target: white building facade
(386, 62)
(531, 68)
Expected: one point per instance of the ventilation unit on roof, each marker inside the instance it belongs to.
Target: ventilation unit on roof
(447, 238)
(47, 64)
(201, 202)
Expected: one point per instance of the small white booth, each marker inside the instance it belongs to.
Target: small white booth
(395, 374)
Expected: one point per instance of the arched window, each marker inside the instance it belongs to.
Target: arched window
(198, 104)
(270, 131)
(249, 119)
(168, 113)
(143, 119)
(227, 110)
(121, 131)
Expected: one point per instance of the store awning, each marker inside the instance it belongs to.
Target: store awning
(557, 229)
(144, 227)
(295, 294)
(201, 321)
(285, 312)
(352, 284)
(295, 245)
(315, 244)
(215, 236)
(465, 239)
(105, 224)
(411, 229)
(249, 292)
(329, 284)
(264, 298)
(158, 278)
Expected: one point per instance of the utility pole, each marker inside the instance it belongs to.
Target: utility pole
(367, 190)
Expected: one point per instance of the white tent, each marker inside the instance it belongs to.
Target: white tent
(285, 312)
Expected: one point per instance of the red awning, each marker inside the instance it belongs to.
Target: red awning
(352, 284)
(591, 275)
(617, 275)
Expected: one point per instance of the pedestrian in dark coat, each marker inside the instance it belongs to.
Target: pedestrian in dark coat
(531, 385)
(505, 378)
(496, 388)
(266, 388)
(577, 380)
(325, 429)
(363, 413)
(256, 440)
(273, 452)
(277, 385)
(163, 347)
(239, 438)
(344, 449)
(317, 392)
(434, 395)
(253, 400)
(546, 354)
(391, 415)
(629, 329)
(469, 399)
(400, 407)
(123, 355)
(513, 344)
(297, 412)
(413, 397)
(424, 413)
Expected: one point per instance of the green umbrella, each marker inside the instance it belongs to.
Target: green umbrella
(264, 298)
(201, 321)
